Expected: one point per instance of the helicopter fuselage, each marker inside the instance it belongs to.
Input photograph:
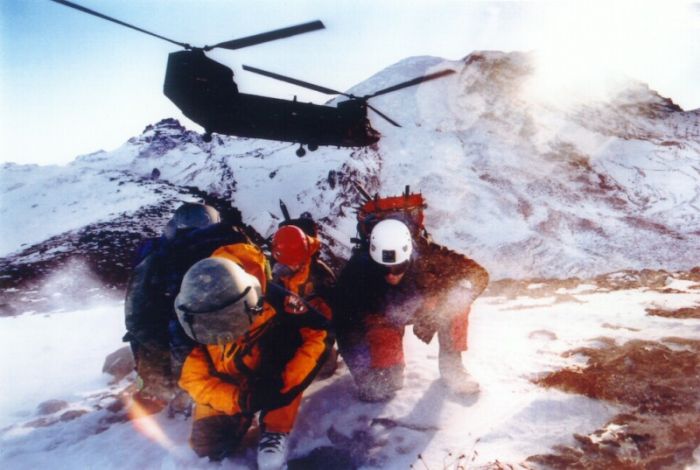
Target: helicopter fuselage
(205, 92)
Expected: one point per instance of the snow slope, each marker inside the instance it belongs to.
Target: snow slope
(513, 341)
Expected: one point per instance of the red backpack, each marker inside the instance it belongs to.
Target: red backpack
(407, 208)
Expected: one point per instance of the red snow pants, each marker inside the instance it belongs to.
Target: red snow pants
(385, 339)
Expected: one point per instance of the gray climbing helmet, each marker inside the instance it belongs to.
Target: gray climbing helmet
(217, 301)
(191, 215)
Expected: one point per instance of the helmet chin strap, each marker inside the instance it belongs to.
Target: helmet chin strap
(189, 318)
(254, 310)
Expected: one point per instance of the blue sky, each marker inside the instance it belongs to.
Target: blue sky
(73, 84)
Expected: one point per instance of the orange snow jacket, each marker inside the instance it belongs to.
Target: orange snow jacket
(284, 347)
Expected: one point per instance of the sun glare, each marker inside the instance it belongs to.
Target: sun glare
(585, 50)
(146, 424)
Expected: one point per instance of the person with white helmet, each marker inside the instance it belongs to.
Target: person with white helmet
(391, 246)
(250, 357)
(399, 278)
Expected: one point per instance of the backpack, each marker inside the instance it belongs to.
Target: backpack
(156, 279)
(145, 248)
(407, 208)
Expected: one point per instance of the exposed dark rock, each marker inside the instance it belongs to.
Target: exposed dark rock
(116, 406)
(70, 415)
(51, 406)
(685, 312)
(620, 280)
(42, 422)
(119, 364)
(659, 384)
(103, 251)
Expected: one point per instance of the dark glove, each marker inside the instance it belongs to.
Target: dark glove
(423, 332)
(260, 393)
(423, 326)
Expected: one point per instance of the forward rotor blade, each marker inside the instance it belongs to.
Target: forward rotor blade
(412, 82)
(391, 121)
(293, 81)
(269, 36)
(114, 20)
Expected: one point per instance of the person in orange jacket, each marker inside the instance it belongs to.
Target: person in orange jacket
(249, 356)
(302, 277)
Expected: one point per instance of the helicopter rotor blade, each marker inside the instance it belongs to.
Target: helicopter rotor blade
(294, 81)
(321, 89)
(114, 20)
(268, 36)
(412, 82)
(391, 121)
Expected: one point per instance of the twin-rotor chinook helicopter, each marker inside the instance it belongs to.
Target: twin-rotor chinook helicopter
(205, 92)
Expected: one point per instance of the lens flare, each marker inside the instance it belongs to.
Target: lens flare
(144, 422)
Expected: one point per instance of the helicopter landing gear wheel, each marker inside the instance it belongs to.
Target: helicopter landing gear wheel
(300, 152)
(206, 137)
(313, 147)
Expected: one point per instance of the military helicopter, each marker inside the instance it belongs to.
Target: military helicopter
(205, 92)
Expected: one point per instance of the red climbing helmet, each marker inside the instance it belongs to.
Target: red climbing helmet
(291, 246)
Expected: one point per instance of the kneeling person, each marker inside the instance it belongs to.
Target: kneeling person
(398, 281)
(248, 359)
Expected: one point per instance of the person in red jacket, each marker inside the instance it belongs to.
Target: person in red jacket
(249, 357)
(396, 281)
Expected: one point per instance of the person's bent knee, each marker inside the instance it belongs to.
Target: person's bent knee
(216, 437)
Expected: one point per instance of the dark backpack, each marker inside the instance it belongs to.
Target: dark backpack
(155, 281)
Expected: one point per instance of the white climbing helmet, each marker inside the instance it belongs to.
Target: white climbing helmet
(390, 243)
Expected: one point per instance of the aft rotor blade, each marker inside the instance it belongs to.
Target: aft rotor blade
(285, 211)
(383, 115)
(360, 189)
(269, 36)
(412, 82)
(293, 81)
(114, 20)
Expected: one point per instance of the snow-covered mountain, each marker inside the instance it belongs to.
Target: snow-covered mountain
(595, 373)
(526, 186)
